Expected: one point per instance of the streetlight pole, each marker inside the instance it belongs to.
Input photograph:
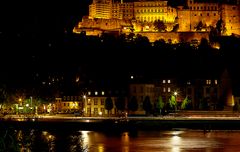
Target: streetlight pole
(175, 94)
(31, 104)
(84, 104)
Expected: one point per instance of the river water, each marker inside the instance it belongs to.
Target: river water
(75, 140)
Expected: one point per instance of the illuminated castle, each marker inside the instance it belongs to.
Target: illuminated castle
(139, 16)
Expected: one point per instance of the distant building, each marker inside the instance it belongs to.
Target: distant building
(141, 91)
(139, 16)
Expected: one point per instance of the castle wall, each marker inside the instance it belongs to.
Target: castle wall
(175, 37)
(230, 15)
(184, 20)
(108, 15)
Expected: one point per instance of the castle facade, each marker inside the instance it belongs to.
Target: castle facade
(139, 16)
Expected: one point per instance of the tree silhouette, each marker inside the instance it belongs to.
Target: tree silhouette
(220, 27)
(120, 103)
(186, 103)
(199, 26)
(133, 104)
(175, 28)
(108, 104)
(159, 26)
(147, 106)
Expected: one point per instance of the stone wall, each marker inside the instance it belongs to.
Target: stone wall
(175, 37)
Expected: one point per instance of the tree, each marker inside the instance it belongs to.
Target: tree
(213, 34)
(159, 26)
(3, 96)
(220, 27)
(186, 102)
(199, 26)
(133, 104)
(108, 104)
(175, 28)
(147, 106)
(160, 104)
(120, 103)
(173, 102)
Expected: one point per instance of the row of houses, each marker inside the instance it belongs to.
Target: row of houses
(213, 90)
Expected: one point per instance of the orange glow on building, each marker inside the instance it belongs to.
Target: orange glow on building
(116, 16)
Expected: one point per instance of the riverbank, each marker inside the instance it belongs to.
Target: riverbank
(169, 122)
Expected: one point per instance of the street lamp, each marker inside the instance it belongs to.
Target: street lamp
(84, 104)
(175, 94)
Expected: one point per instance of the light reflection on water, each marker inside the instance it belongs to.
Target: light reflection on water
(141, 141)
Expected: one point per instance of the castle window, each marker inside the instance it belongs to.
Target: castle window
(216, 82)
(164, 89)
(169, 81)
(169, 89)
(164, 81)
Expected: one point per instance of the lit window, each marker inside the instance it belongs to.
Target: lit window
(208, 81)
(215, 81)
(169, 89)
(168, 81)
(89, 93)
(89, 101)
(131, 76)
(188, 83)
(163, 81)
(103, 92)
(96, 93)
(164, 89)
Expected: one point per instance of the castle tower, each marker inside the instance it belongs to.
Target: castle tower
(100, 9)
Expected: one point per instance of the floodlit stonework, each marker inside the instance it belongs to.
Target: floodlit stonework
(139, 16)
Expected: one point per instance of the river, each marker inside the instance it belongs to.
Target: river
(75, 139)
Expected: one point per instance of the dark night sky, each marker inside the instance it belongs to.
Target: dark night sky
(31, 33)
(31, 29)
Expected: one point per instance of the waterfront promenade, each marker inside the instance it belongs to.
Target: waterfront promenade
(181, 115)
(204, 120)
